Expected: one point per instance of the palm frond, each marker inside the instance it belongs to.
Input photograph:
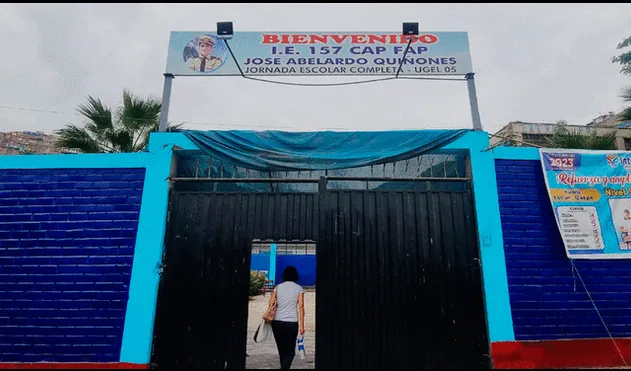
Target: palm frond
(73, 137)
(626, 42)
(626, 94)
(174, 128)
(142, 142)
(119, 131)
(625, 115)
(137, 113)
(622, 59)
(99, 116)
(121, 140)
(144, 139)
(602, 142)
(573, 139)
(570, 140)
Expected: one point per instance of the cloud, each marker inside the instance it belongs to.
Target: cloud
(533, 62)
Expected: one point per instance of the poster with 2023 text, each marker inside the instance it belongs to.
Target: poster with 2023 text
(590, 192)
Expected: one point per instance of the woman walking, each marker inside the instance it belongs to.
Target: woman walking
(288, 301)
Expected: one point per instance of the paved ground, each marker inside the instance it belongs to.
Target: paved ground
(265, 355)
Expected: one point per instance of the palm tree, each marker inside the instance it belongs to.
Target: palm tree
(624, 58)
(572, 139)
(625, 115)
(125, 129)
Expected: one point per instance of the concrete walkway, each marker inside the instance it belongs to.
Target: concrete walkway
(265, 355)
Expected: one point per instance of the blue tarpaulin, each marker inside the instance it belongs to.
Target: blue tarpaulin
(322, 150)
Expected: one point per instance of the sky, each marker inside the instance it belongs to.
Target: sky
(533, 63)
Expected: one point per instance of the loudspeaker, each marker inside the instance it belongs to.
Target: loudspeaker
(225, 29)
(410, 28)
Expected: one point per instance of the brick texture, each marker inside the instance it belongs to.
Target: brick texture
(67, 242)
(547, 298)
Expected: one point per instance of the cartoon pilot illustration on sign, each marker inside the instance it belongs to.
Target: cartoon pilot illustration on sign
(205, 62)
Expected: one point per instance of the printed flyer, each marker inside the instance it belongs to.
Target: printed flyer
(590, 193)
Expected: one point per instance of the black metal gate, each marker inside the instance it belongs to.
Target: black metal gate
(398, 281)
(398, 277)
(201, 319)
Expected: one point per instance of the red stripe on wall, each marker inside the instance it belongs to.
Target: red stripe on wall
(75, 366)
(561, 353)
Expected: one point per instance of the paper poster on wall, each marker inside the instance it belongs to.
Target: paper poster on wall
(590, 192)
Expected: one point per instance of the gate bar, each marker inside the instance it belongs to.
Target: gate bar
(315, 180)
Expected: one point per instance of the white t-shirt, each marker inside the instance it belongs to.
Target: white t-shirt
(287, 295)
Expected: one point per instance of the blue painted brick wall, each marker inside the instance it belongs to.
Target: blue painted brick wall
(547, 299)
(67, 242)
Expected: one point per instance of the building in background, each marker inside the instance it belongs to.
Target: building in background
(299, 254)
(29, 142)
(520, 133)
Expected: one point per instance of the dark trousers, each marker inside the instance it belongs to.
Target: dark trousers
(285, 334)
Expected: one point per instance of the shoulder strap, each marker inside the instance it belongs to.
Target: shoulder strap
(275, 294)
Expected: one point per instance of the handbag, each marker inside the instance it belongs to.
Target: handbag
(263, 332)
(270, 313)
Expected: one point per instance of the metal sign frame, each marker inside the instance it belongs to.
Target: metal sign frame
(468, 77)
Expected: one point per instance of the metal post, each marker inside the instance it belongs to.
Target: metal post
(272, 263)
(166, 101)
(473, 102)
